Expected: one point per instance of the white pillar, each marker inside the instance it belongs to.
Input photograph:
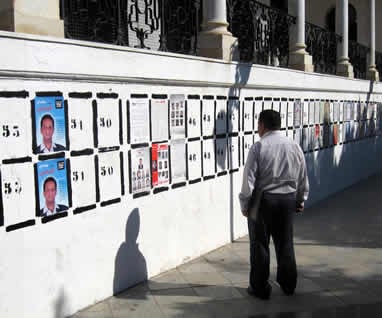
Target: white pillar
(372, 73)
(344, 68)
(298, 58)
(215, 40)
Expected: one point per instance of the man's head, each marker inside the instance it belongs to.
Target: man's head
(269, 120)
(47, 128)
(50, 189)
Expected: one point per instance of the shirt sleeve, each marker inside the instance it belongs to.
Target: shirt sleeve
(302, 182)
(249, 176)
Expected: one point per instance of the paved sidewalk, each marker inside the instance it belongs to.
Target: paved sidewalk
(339, 254)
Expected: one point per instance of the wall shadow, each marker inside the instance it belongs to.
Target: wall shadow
(130, 265)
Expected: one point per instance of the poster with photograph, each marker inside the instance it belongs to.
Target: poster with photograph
(140, 170)
(321, 138)
(139, 120)
(267, 103)
(194, 160)
(221, 116)
(311, 112)
(331, 112)
(305, 139)
(208, 115)
(50, 124)
(221, 154)
(178, 160)
(316, 112)
(257, 108)
(159, 122)
(336, 112)
(322, 111)
(109, 175)
(233, 153)
(326, 113)
(315, 137)
(348, 111)
(160, 165)
(83, 181)
(233, 115)
(357, 110)
(335, 134)
(297, 113)
(15, 123)
(193, 118)
(52, 187)
(247, 144)
(248, 115)
(80, 124)
(305, 113)
(177, 116)
(208, 157)
(283, 113)
(290, 114)
(17, 185)
(108, 122)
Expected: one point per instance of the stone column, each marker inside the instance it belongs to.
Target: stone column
(34, 17)
(299, 59)
(215, 40)
(372, 73)
(344, 68)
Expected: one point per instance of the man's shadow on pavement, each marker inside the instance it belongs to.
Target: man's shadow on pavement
(130, 265)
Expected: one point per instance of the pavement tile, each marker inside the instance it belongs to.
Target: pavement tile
(205, 278)
(199, 265)
(218, 292)
(170, 279)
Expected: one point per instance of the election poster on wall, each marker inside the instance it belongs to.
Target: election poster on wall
(139, 120)
(177, 116)
(160, 164)
(193, 118)
(108, 125)
(248, 115)
(194, 163)
(208, 157)
(159, 122)
(140, 170)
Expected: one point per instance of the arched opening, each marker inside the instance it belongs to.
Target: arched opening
(330, 22)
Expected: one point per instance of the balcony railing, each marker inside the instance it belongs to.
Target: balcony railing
(166, 25)
(322, 45)
(358, 58)
(262, 32)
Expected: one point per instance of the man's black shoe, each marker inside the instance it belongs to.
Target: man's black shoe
(264, 294)
(287, 290)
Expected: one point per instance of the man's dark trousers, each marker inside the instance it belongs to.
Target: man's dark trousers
(275, 217)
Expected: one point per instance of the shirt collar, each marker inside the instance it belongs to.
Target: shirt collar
(44, 149)
(271, 132)
(48, 212)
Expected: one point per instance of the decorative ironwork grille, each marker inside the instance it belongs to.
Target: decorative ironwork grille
(358, 58)
(322, 45)
(262, 31)
(167, 25)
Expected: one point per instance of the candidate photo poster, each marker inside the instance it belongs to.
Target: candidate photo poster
(248, 115)
(140, 170)
(208, 115)
(159, 122)
(290, 114)
(283, 113)
(50, 124)
(305, 113)
(177, 116)
(193, 118)
(139, 120)
(160, 165)
(108, 122)
(311, 112)
(208, 157)
(17, 184)
(80, 122)
(297, 113)
(15, 124)
(194, 160)
(178, 160)
(221, 117)
(52, 187)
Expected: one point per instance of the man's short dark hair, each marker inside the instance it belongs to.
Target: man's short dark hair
(50, 179)
(46, 116)
(271, 119)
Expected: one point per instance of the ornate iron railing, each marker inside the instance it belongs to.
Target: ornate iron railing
(358, 58)
(167, 25)
(262, 32)
(322, 45)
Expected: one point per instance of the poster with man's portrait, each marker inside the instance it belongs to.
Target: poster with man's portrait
(49, 124)
(160, 164)
(52, 187)
(140, 170)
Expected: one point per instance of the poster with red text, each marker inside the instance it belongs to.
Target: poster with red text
(160, 167)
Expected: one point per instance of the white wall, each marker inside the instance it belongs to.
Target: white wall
(57, 268)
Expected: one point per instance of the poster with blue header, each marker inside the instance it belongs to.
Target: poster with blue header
(50, 124)
(52, 181)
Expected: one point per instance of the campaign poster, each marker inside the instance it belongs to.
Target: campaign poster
(194, 160)
(233, 152)
(233, 112)
(178, 160)
(290, 114)
(336, 112)
(15, 123)
(248, 115)
(52, 187)
(140, 170)
(297, 113)
(331, 112)
(208, 157)
(177, 116)
(247, 144)
(341, 111)
(258, 109)
(305, 113)
(140, 120)
(335, 134)
(159, 119)
(50, 124)
(326, 113)
(160, 165)
(283, 113)
(315, 137)
(17, 184)
(311, 112)
(193, 118)
(208, 116)
(221, 116)
(322, 112)
(221, 154)
(80, 123)
(83, 176)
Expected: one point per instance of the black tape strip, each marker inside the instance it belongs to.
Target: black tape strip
(145, 144)
(96, 165)
(193, 96)
(1, 204)
(68, 181)
(48, 94)
(84, 209)
(178, 185)
(36, 190)
(110, 202)
(85, 152)
(84, 95)
(259, 98)
(233, 97)
(223, 173)
(56, 155)
(128, 121)
(95, 125)
(194, 181)
(186, 152)
(122, 173)
(159, 96)
(233, 170)
(107, 95)
(66, 125)
(208, 137)
(284, 99)
(20, 225)
(248, 98)
(108, 149)
(221, 136)
(233, 134)
(208, 97)
(53, 217)
(139, 96)
(34, 128)
(141, 194)
(150, 123)
(17, 160)
(208, 178)
(19, 94)
(120, 122)
(160, 189)
(129, 171)
(238, 153)
(267, 98)
(186, 118)
(221, 97)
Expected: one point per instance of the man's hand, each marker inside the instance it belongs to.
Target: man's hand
(245, 213)
(300, 207)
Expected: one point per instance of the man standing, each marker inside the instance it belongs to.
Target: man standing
(275, 186)
(47, 131)
(50, 191)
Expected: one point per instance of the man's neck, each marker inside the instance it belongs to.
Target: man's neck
(48, 145)
(51, 206)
